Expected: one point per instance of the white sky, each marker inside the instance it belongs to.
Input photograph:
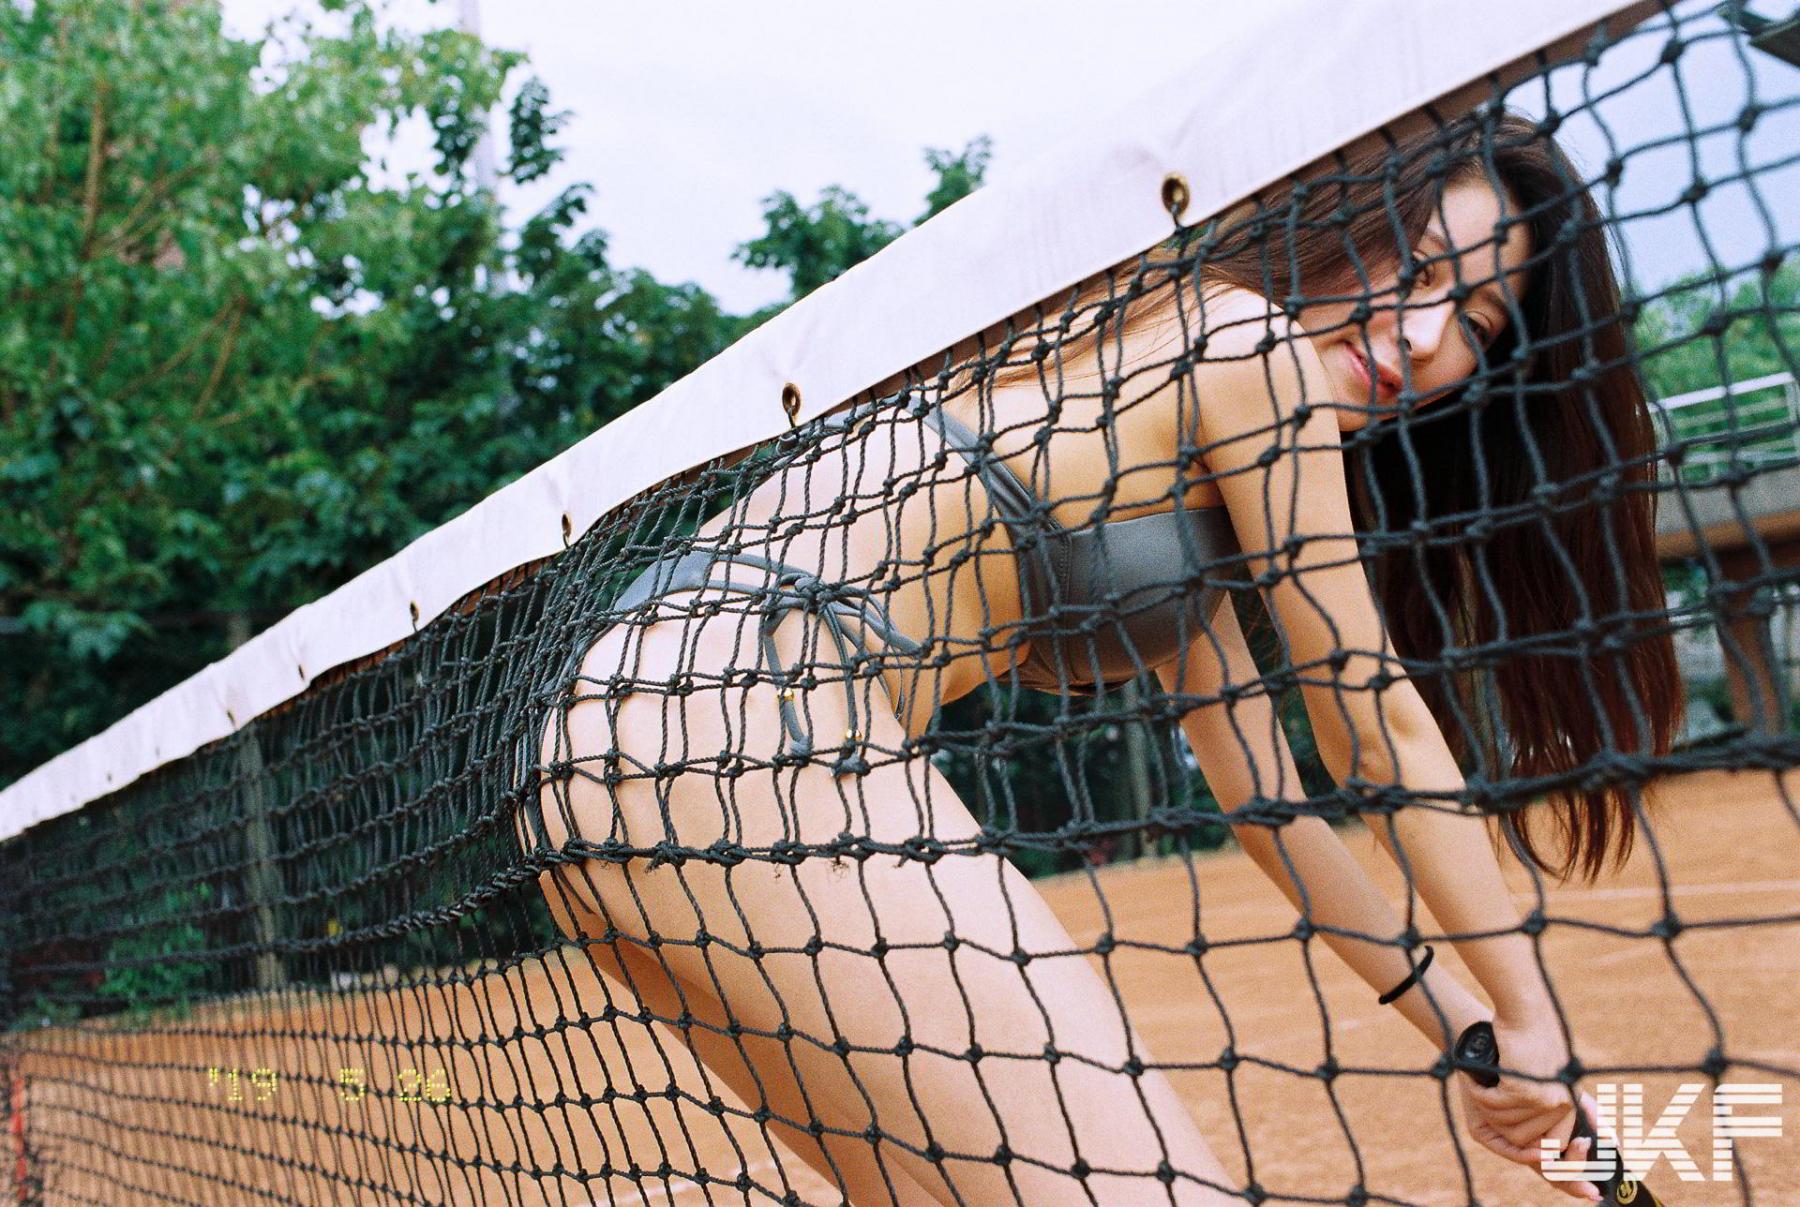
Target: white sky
(686, 113)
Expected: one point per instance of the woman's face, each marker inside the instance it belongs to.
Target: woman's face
(1427, 341)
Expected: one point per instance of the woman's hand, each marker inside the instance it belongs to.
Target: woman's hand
(1513, 1117)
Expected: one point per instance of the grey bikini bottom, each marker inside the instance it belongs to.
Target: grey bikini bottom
(774, 592)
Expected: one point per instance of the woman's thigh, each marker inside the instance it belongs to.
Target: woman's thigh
(651, 958)
(753, 1068)
(937, 1003)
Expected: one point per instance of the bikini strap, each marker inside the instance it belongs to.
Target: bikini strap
(788, 588)
(1003, 485)
(1017, 499)
(1042, 558)
(1040, 544)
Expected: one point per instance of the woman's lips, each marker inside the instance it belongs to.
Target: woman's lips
(1360, 367)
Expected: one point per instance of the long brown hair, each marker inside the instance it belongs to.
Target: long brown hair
(1538, 593)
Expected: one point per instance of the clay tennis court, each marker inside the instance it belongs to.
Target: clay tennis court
(493, 1091)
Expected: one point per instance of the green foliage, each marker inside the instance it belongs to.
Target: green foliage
(532, 127)
(815, 244)
(1704, 329)
(819, 243)
(237, 371)
(144, 968)
(43, 1010)
(959, 174)
(1707, 329)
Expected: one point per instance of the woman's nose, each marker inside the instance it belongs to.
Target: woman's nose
(1420, 328)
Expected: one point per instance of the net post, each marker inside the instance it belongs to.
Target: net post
(262, 877)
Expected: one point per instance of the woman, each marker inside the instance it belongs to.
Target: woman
(916, 1024)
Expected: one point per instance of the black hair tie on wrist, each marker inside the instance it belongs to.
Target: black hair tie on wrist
(1412, 976)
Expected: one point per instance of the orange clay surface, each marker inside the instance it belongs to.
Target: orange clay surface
(461, 1093)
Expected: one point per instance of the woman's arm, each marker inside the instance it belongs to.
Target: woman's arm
(1269, 434)
(1244, 755)
(1272, 440)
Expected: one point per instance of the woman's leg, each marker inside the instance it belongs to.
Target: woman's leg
(755, 1066)
(636, 980)
(840, 972)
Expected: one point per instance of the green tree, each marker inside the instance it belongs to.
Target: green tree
(959, 174)
(816, 244)
(819, 243)
(237, 369)
(1707, 328)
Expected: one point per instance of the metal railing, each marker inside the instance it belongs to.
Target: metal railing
(1753, 423)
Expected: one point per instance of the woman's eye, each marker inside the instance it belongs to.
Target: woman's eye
(1421, 267)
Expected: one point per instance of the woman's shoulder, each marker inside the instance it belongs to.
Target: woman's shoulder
(1251, 355)
(1233, 323)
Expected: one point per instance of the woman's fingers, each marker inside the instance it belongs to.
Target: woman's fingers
(1514, 1119)
(1524, 1125)
(1524, 1120)
(1496, 1142)
(1579, 1151)
(1562, 1130)
(1529, 1153)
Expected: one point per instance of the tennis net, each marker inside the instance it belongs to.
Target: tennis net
(862, 816)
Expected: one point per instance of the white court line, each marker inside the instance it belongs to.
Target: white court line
(1614, 957)
(1555, 897)
(1344, 1023)
(1652, 891)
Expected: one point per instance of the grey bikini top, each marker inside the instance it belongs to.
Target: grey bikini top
(1108, 600)
(1101, 603)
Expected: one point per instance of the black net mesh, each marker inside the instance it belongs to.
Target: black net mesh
(948, 801)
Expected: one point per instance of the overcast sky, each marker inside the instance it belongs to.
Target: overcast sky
(685, 114)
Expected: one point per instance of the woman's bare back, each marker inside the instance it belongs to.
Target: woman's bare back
(892, 509)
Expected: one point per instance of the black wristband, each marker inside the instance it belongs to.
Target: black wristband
(1412, 976)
